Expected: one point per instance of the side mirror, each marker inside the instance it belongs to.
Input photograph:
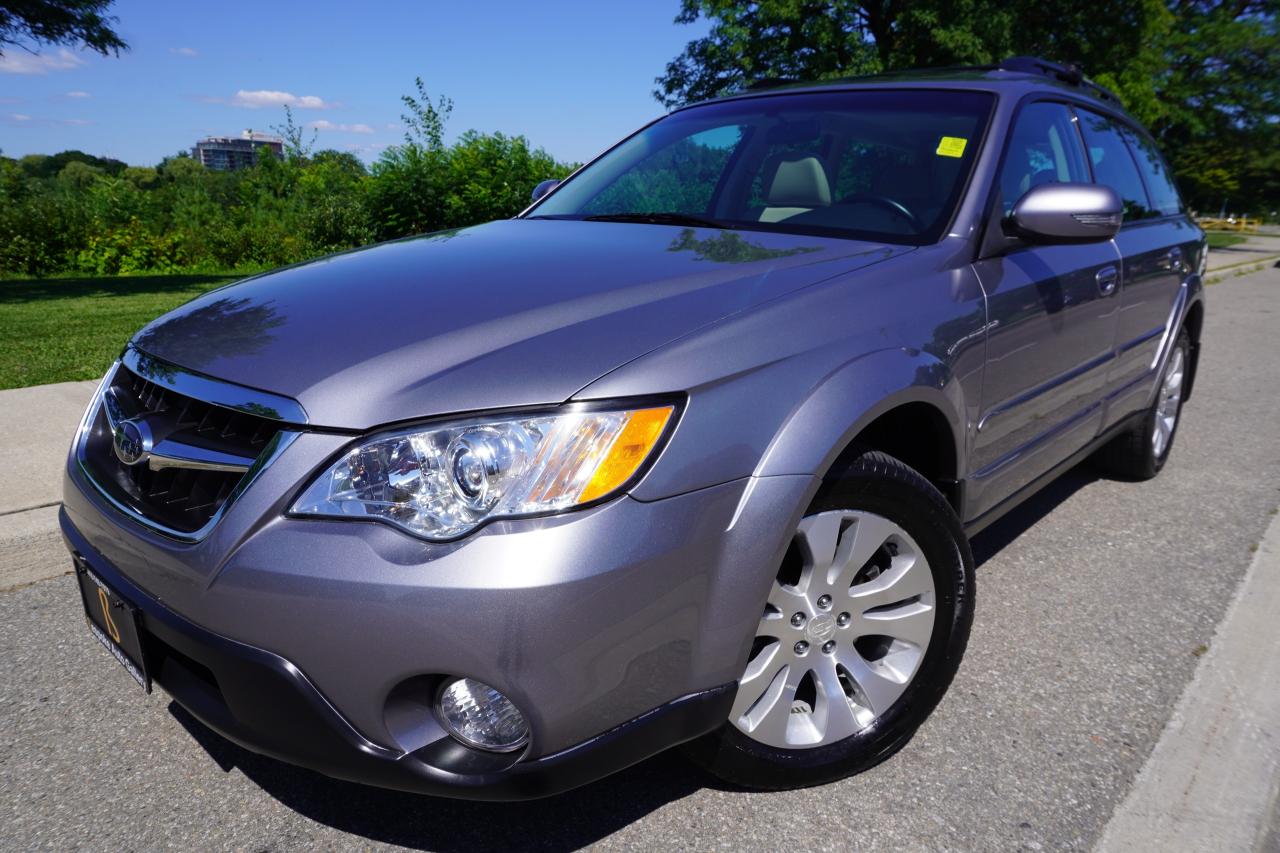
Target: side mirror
(1066, 213)
(543, 188)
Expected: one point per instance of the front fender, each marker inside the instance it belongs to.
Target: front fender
(780, 390)
(851, 398)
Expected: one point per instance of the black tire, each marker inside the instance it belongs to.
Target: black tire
(877, 483)
(1132, 454)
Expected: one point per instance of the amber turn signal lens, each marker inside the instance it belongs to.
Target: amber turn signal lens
(643, 429)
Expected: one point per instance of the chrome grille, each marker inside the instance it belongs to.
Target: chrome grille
(201, 451)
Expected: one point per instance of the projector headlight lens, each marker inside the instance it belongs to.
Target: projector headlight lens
(440, 483)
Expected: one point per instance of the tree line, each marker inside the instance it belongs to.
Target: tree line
(1202, 75)
(76, 213)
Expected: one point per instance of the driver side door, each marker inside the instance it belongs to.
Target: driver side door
(1052, 317)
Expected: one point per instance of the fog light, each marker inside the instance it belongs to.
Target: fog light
(480, 716)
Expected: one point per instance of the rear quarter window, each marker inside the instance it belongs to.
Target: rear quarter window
(1164, 195)
(1113, 164)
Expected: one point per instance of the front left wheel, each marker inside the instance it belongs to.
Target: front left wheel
(860, 635)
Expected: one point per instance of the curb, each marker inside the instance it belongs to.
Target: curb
(1216, 275)
(1213, 780)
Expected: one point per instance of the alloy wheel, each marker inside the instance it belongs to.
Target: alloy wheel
(845, 629)
(1168, 403)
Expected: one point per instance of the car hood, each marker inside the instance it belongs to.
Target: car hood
(512, 313)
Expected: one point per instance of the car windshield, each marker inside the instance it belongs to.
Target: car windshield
(886, 165)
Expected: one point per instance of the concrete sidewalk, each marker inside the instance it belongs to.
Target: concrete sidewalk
(1213, 780)
(38, 424)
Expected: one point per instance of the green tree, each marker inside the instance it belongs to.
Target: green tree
(79, 175)
(823, 39)
(74, 212)
(409, 181)
(490, 176)
(424, 122)
(67, 22)
(785, 39)
(1203, 75)
(296, 144)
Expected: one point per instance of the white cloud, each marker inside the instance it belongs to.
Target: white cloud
(369, 150)
(184, 51)
(270, 98)
(322, 124)
(78, 94)
(42, 121)
(21, 62)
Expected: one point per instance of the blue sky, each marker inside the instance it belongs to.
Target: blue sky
(571, 76)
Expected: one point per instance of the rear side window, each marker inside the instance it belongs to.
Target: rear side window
(1044, 148)
(1164, 195)
(1113, 164)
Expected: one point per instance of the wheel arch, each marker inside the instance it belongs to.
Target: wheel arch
(906, 404)
(917, 434)
(1193, 322)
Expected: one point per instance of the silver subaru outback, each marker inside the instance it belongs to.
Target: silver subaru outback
(688, 452)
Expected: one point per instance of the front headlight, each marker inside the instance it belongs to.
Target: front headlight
(444, 481)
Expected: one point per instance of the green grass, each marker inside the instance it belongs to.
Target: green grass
(1223, 239)
(62, 329)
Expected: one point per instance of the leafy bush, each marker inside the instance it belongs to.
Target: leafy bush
(128, 250)
(71, 212)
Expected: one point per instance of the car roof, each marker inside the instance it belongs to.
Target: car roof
(1017, 77)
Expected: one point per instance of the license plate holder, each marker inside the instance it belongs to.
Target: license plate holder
(115, 622)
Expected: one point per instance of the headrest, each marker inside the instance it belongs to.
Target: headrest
(797, 180)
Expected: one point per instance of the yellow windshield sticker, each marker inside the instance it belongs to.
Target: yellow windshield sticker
(952, 146)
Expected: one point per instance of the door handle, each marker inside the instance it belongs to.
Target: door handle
(1107, 278)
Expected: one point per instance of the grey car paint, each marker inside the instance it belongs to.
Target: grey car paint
(512, 313)
(589, 619)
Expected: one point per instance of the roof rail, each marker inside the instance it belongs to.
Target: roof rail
(1035, 65)
(1061, 72)
(1064, 72)
(768, 83)
(937, 71)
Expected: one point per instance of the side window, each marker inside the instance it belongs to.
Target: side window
(1044, 148)
(1113, 164)
(1164, 195)
(680, 177)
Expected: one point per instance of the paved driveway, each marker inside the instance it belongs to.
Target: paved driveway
(1095, 601)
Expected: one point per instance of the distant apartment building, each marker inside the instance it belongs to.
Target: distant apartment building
(235, 152)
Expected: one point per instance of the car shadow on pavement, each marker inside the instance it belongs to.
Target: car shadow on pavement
(1026, 515)
(565, 822)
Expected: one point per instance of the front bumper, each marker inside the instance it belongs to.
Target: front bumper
(266, 704)
(618, 631)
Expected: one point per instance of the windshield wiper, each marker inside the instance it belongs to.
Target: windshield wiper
(658, 219)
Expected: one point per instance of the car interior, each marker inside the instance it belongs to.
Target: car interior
(880, 165)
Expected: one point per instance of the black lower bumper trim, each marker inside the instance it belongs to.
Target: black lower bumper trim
(264, 703)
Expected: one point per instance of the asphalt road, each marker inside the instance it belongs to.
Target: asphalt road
(1095, 601)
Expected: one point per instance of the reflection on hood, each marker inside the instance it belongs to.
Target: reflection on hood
(196, 337)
